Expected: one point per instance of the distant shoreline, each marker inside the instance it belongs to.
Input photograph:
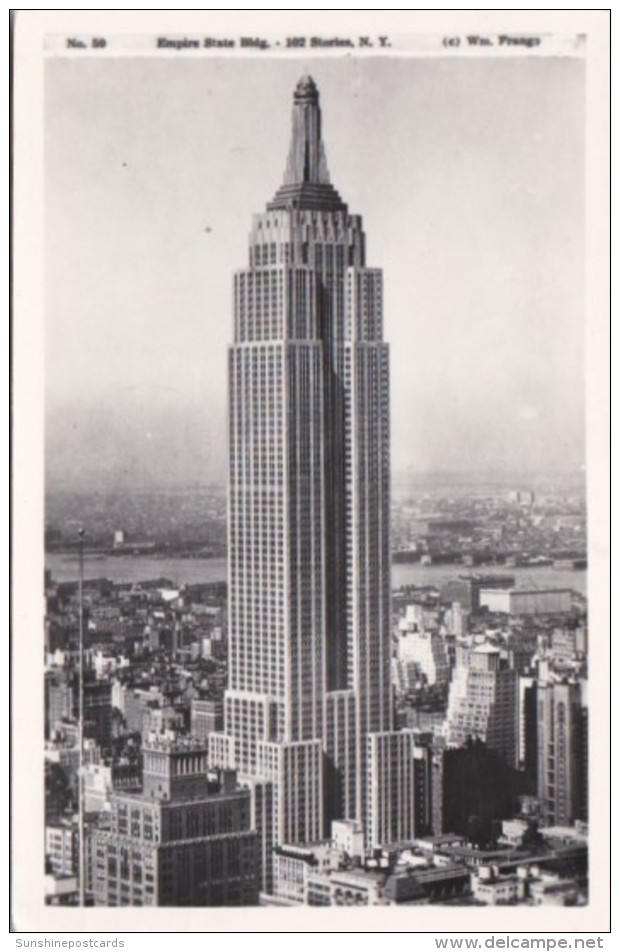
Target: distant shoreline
(195, 570)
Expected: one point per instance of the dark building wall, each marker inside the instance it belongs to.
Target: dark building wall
(97, 712)
(63, 702)
(219, 871)
(437, 786)
(562, 753)
(583, 757)
(423, 788)
(530, 764)
(199, 852)
(472, 788)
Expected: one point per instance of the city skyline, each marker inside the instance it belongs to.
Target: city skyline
(467, 175)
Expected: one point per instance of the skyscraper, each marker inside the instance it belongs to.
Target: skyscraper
(483, 701)
(562, 752)
(309, 552)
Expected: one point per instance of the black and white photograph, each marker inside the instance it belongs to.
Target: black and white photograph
(313, 602)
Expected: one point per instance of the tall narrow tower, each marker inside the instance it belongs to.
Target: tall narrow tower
(309, 553)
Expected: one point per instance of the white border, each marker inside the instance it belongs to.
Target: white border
(29, 913)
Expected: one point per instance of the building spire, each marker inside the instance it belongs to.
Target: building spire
(306, 159)
(306, 179)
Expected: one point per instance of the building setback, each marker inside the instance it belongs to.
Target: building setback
(309, 552)
(483, 701)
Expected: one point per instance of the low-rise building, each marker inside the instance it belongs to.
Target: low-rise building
(294, 865)
(348, 838)
(522, 601)
(492, 888)
(356, 888)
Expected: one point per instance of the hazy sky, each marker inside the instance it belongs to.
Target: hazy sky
(469, 177)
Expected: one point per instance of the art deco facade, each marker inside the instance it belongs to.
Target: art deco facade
(309, 554)
(483, 701)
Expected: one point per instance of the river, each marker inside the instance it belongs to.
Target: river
(141, 568)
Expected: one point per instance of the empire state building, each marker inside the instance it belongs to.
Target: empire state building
(309, 550)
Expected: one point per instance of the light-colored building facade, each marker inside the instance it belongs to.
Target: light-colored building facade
(61, 846)
(295, 865)
(483, 701)
(356, 888)
(390, 811)
(495, 889)
(521, 601)
(348, 838)
(423, 653)
(309, 553)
